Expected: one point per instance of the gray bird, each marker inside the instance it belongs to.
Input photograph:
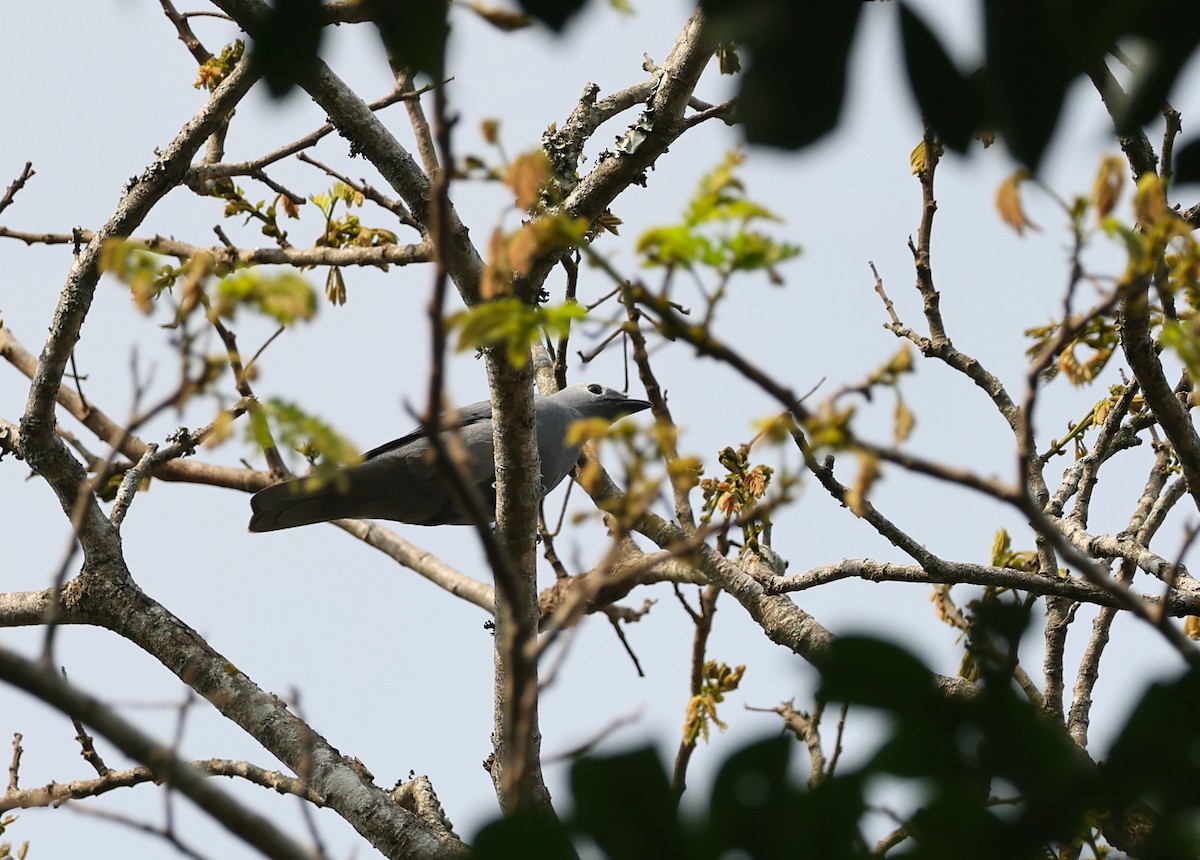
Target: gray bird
(399, 481)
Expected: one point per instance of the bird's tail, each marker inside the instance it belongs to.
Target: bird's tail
(298, 502)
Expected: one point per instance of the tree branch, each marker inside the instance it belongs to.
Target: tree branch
(130, 446)
(44, 452)
(422, 562)
(105, 595)
(44, 683)
(954, 573)
(57, 793)
(1138, 345)
(230, 258)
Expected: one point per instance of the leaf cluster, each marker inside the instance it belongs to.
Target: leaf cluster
(282, 295)
(287, 40)
(218, 67)
(513, 255)
(236, 204)
(146, 274)
(1159, 248)
(1155, 230)
(513, 324)
(318, 442)
(717, 679)
(347, 231)
(1099, 336)
(6, 852)
(741, 488)
(1003, 555)
(1033, 52)
(995, 777)
(715, 232)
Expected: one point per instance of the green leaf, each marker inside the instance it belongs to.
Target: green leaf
(1187, 163)
(1028, 71)
(317, 440)
(511, 323)
(720, 205)
(794, 48)
(286, 44)
(414, 33)
(522, 836)
(721, 196)
(557, 319)
(669, 246)
(553, 13)
(626, 805)
(753, 803)
(947, 98)
(285, 297)
(751, 251)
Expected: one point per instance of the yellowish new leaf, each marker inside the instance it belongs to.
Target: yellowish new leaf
(527, 176)
(1107, 189)
(497, 276)
(868, 473)
(917, 160)
(905, 421)
(500, 18)
(1149, 202)
(1008, 202)
(490, 129)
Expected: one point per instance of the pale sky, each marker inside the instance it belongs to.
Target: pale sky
(387, 667)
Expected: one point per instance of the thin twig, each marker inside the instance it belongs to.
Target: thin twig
(703, 621)
(27, 173)
(232, 257)
(200, 174)
(14, 765)
(396, 207)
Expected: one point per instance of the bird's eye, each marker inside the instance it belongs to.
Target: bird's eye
(595, 389)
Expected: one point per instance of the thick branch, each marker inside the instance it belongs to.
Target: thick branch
(56, 793)
(355, 120)
(649, 137)
(423, 562)
(37, 426)
(517, 740)
(44, 683)
(229, 258)
(109, 431)
(662, 122)
(954, 573)
(1172, 414)
(106, 596)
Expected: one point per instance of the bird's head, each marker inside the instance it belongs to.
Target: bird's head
(592, 400)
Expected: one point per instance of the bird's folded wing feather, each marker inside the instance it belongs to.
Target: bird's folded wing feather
(398, 481)
(466, 416)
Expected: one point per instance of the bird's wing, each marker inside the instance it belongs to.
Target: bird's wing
(397, 481)
(468, 415)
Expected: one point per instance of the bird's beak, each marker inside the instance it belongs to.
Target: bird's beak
(631, 406)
